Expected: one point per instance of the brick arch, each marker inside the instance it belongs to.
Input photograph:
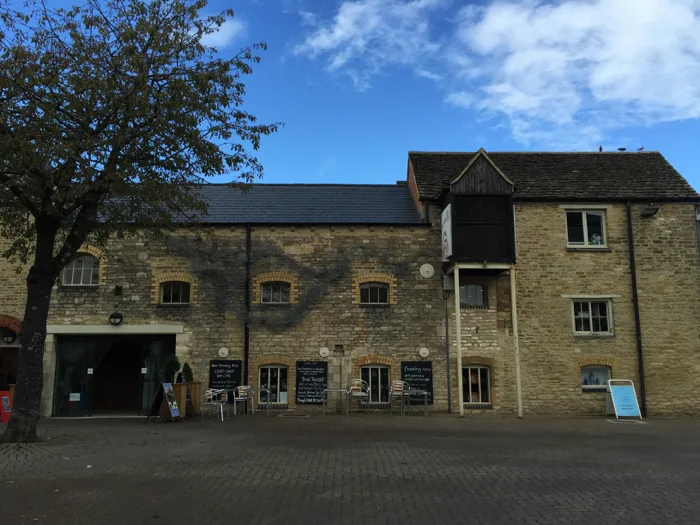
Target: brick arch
(282, 276)
(92, 250)
(374, 277)
(592, 360)
(477, 360)
(166, 277)
(11, 322)
(371, 359)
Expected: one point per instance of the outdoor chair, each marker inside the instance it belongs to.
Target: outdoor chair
(358, 391)
(213, 399)
(397, 391)
(245, 395)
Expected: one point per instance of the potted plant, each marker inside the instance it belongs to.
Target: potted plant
(195, 390)
(171, 365)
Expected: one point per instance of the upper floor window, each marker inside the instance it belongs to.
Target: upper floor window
(473, 296)
(374, 293)
(275, 293)
(592, 317)
(175, 292)
(585, 228)
(84, 270)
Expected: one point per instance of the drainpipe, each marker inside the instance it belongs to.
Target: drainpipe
(637, 323)
(458, 329)
(447, 356)
(516, 341)
(246, 327)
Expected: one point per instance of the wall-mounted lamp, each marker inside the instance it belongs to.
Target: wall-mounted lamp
(116, 318)
(8, 336)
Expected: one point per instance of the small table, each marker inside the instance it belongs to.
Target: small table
(408, 392)
(332, 391)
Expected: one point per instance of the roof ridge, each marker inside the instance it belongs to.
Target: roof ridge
(538, 152)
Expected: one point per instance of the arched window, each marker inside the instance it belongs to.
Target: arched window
(275, 292)
(377, 377)
(175, 292)
(274, 379)
(83, 270)
(374, 293)
(594, 377)
(476, 385)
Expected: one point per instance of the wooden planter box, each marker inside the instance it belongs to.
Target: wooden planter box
(181, 397)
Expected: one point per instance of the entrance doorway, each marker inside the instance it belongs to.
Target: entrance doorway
(9, 356)
(117, 380)
(109, 375)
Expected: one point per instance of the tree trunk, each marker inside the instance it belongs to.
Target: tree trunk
(30, 378)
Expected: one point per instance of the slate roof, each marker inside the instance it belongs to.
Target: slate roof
(310, 204)
(564, 176)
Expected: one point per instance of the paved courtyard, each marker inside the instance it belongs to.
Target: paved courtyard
(360, 470)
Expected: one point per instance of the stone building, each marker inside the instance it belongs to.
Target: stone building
(297, 288)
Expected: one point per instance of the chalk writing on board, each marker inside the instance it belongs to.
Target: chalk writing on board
(418, 375)
(224, 374)
(312, 378)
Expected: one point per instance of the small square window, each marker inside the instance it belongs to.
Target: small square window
(594, 378)
(473, 296)
(374, 293)
(176, 292)
(275, 293)
(592, 317)
(586, 229)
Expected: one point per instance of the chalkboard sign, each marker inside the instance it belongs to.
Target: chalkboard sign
(312, 378)
(419, 375)
(224, 375)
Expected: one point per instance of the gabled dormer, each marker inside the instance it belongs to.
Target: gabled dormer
(479, 208)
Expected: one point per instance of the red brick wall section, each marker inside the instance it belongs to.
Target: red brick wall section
(8, 321)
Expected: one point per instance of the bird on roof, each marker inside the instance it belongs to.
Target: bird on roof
(621, 149)
(600, 149)
(640, 149)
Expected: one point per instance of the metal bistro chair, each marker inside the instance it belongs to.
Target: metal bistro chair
(358, 391)
(213, 399)
(398, 391)
(244, 394)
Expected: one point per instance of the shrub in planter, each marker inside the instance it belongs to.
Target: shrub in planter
(171, 365)
(187, 373)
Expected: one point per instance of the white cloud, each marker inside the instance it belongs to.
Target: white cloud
(308, 18)
(226, 34)
(367, 35)
(562, 74)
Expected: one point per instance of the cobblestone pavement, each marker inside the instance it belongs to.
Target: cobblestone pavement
(359, 470)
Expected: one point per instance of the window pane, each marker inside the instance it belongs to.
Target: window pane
(471, 292)
(596, 324)
(176, 293)
(383, 294)
(384, 381)
(594, 376)
(266, 293)
(185, 292)
(481, 296)
(586, 324)
(364, 374)
(373, 294)
(364, 294)
(594, 221)
(264, 382)
(574, 227)
(474, 385)
(274, 385)
(604, 325)
(484, 377)
(94, 279)
(284, 293)
(602, 308)
(374, 384)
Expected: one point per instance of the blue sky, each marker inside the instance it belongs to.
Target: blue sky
(359, 83)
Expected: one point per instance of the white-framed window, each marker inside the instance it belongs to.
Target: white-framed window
(274, 379)
(175, 292)
(275, 292)
(473, 296)
(374, 293)
(586, 228)
(592, 316)
(83, 270)
(377, 377)
(476, 385)
(594, 377)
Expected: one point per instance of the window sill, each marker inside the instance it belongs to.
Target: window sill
(174, 306)
(371, 305)
(573, 248)
(473, 307)
(278, 306)
(602, 390)
(477, 406)
(593, 336)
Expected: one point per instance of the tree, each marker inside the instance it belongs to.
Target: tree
(110, 117)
